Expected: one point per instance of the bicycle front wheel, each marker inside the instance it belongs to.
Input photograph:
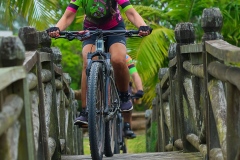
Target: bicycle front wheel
(95, 103)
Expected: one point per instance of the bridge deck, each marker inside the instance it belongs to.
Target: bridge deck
(143, 156)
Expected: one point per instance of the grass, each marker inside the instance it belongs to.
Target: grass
(136, 145)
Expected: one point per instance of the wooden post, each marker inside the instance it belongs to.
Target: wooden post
(12, 53)
(172, 100)
(184, 34)
(30, 39)
(211, 23)
(45, 43)
(159, 142)
(163, 76)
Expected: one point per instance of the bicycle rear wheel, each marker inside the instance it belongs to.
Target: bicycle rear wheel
(111, 128)
(118, 134)
(95, 103)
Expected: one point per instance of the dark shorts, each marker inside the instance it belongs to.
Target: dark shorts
(110, 39)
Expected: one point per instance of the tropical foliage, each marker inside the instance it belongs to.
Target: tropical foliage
(168, 14)
(28, 12)
(71, 59)
(150, 52)
(176, 11)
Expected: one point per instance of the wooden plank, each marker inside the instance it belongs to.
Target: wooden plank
(11, 74)
(191, 48)
(225, 73)
(44, 56)
(233, 111)
(141, 156)
(30, 60)
(28, 121)
(223, 50)
(57, 70)
(43, 133)
(165, 80)
(196, 70)
(172, 62)
(12, 108)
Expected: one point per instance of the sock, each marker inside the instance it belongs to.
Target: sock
(124, 96)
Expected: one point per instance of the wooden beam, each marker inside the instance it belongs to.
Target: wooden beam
(10, 75)
(223, 50)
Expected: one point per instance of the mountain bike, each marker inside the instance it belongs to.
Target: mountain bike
(105, 122)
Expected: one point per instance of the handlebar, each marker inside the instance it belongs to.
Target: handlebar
(104, 32)
(70, 35)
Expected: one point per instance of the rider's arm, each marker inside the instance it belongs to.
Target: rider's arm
(134, 17)
(133, 73)
(137, 81)
(131, 13)
(66, 19)
(69, 15)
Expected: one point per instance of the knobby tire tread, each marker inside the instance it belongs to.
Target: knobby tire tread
(94, 78)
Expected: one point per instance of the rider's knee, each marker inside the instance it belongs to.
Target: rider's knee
(118, 62)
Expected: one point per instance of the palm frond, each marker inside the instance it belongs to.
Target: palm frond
(150, 53)
(39, 14)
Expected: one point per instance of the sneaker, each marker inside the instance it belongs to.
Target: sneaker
(126, 106)
(126, 103)
(82, 120)
(128, 133)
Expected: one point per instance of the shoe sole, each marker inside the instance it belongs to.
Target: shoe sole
(126, 109)
(130, 137)
(81, 124)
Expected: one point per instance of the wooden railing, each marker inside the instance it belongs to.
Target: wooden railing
(37, 104)
(197, 103)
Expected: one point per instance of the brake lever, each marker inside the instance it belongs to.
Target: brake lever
(83, 36)
(70, 36)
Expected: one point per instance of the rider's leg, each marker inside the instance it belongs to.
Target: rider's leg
(128, 133)
(82, 119)
(121, 73)
(122, 77)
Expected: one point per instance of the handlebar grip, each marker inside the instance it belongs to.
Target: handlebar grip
(134, 31)
(70, 32)
(62, 32)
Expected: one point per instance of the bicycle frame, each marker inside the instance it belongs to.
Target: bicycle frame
(104, 59)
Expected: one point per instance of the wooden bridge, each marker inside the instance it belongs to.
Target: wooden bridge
(195, 114)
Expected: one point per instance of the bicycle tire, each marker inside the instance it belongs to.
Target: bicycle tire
(124, 146)
(110, 139)
(110, 129)
(117, 147)
(123, 139)
(95, 103)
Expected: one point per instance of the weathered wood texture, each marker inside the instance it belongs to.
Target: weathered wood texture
(199, 93)
(33, 86)
(144, 156)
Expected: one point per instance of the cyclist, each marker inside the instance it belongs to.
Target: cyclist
(128, 133)
(105, 15)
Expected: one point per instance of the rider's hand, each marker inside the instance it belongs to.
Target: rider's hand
(144, 30)
(139, 94)
(83, 35)
(53, 31)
